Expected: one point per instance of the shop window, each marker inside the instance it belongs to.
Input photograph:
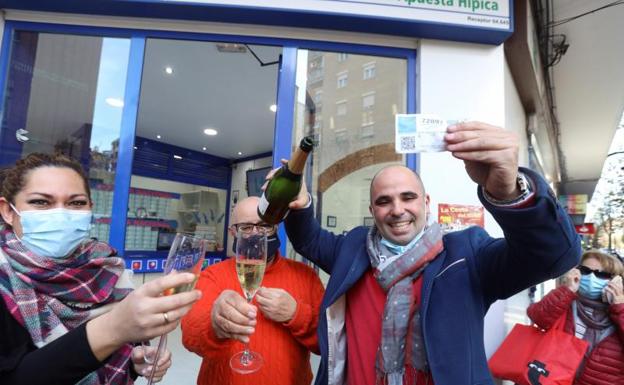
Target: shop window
(66, 96)
(353, 146)
(341, 79)
(189, 154)
(368, 71)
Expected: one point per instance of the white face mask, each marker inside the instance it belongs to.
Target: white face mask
(54, 233)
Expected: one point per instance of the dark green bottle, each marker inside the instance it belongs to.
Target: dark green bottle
(284, 187)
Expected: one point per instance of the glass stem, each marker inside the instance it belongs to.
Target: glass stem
(246, 357)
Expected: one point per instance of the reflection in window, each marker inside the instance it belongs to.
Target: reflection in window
(157, 208)
(368, 71)
(341, 80)
(341, 108)
(368, 100)
(318, 97)
(354, 143)
(368, 104)
(66, 95)
(368, 130)
(341, 135)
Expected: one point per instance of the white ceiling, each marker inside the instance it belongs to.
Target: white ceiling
(230, 92)
(589, 85)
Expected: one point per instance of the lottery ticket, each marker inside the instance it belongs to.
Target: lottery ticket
(420, 133)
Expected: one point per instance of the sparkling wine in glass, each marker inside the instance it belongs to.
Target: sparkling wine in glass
(251, 257)
(186, 255)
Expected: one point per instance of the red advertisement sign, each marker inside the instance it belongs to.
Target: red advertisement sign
(585, 229)
(457, 217)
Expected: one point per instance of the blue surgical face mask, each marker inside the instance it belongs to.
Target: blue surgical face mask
(591, 286)
(273, 245)
(400, 249)
(54, 233)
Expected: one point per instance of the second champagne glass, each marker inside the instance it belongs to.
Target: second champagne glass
(186, 254)
(251, 257)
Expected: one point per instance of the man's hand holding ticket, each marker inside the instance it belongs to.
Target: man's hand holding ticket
(420, 133)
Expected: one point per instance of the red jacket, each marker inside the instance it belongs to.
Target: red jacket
(605, 364)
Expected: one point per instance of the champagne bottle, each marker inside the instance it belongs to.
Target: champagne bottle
(284, 187)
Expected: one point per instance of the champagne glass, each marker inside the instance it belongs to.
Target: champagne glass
(251, 257)
(186, 254)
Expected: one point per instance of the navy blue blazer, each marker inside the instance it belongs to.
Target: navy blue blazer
(472, 272)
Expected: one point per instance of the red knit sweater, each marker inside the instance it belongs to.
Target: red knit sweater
(605, 364)
(284, 347)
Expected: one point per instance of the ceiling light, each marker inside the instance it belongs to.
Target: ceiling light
(204, 148)
(240, 153)
(114, 102)
(273, 107)
(168, 70)
(158, 136)
(136, 148)
(210, 131)
(177, 157)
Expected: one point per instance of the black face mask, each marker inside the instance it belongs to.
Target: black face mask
(273, 245)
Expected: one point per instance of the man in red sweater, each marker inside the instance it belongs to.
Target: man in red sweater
(280, 324)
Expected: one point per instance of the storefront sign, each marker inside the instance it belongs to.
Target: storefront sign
(492, 14)
(479, 21)
(457, 217)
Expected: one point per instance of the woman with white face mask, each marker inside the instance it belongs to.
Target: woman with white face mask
(592, 300)
(68, 314)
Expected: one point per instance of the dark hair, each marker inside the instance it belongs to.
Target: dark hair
(13, 179)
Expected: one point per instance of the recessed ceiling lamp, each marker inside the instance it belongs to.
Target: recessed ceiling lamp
(240, 153)
(169, 70)
(273, 107)
(158, 136)
(210, 132)
(114, 102)
(204, 148)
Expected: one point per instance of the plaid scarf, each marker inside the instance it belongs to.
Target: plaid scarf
(401, 336)
(49, 297)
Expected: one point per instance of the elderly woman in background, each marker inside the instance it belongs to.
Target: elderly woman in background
(68, 314)
(592, 300)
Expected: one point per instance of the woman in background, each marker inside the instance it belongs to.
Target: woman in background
(592, 300)
(68, 314)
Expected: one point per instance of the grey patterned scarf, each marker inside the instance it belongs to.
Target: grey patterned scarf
(401, 336)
